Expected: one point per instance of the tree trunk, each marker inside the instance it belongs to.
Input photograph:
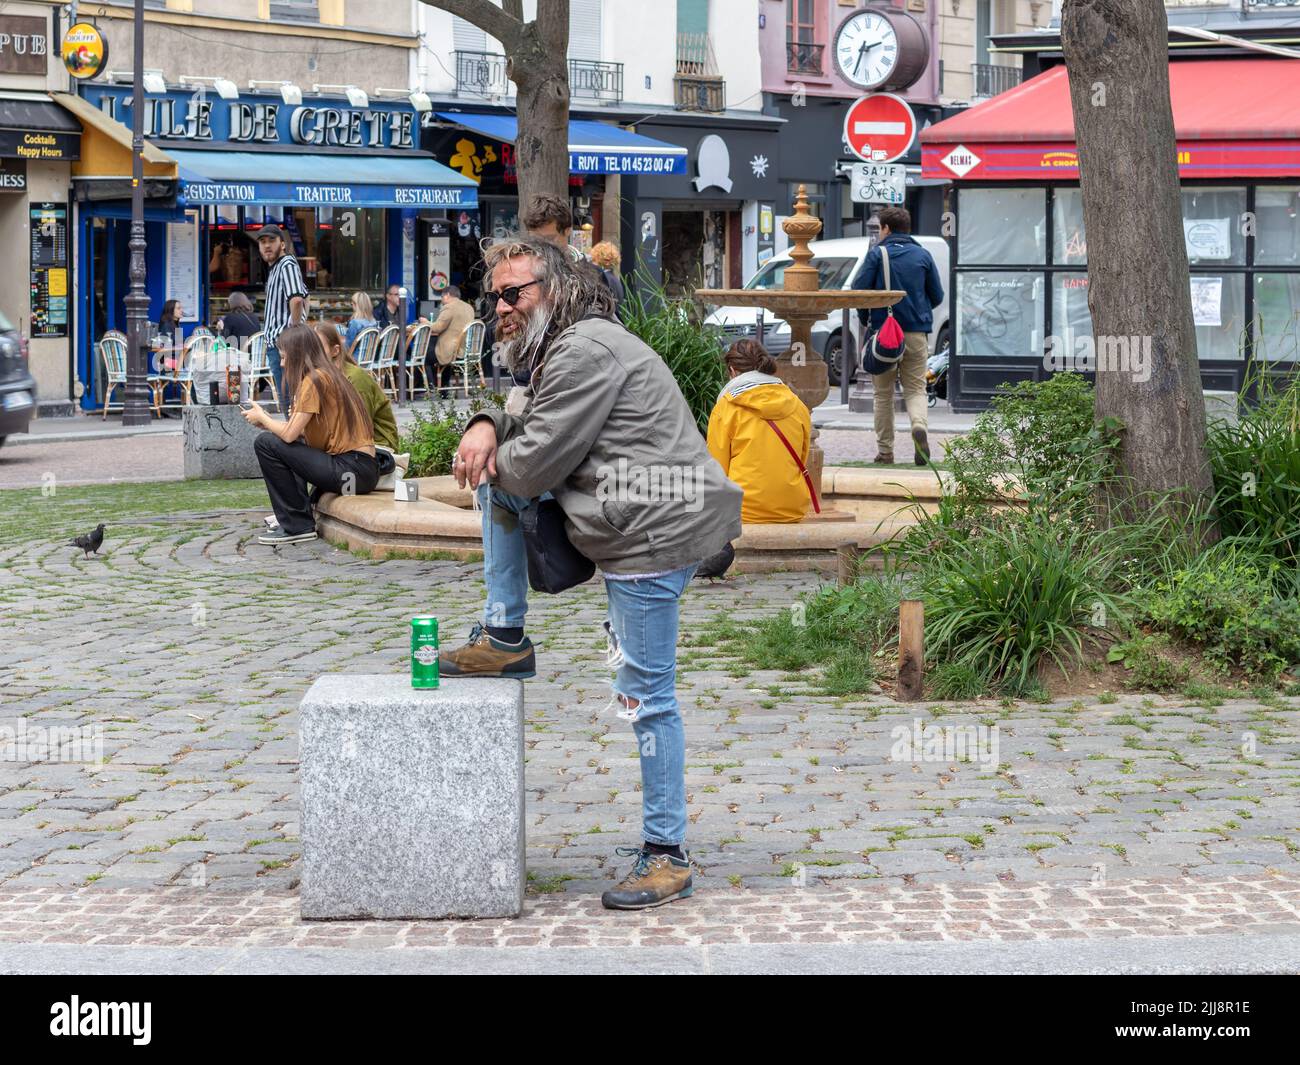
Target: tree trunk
(1139, 290)
(536, 55)
(541, 77)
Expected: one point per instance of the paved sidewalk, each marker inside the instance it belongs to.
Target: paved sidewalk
(189, 646)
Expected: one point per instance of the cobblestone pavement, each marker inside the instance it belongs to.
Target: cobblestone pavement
(189, 646)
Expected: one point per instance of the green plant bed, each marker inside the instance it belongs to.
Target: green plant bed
(433, 436)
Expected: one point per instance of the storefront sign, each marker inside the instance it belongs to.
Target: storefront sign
(39, 144)
(49, 269)
(438, 253)
(305, 195)
(712, 164)
(85, 52)
(1059, 162)
(24, 45)
(259, 119)
(13, 175)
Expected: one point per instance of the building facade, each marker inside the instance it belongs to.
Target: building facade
(39, 142)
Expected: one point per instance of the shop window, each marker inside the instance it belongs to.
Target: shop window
(1212, 225)
(1219, 313)
(1277, 317)
(1071, 318)
(999, 312)
(347, 253)
(814, 190)
(1277, 225)
(1069, 244)
(1002, 226)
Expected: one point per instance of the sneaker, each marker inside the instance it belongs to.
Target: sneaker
(654, 880)
(922, 443)
(483, 655)
(884, 458)
(277, 536)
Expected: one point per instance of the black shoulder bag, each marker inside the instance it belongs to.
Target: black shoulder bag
(554, 564)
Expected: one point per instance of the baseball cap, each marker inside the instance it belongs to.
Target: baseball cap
(269, 230)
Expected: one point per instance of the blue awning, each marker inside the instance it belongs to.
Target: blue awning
(320, 180)
(594, 147)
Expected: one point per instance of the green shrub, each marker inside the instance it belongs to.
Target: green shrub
(1152, 668)
(959, 680)
(1226, 601)
(1022, 589)
(675, 329)
(433, 436)
(1040, 441)
(1256, 466)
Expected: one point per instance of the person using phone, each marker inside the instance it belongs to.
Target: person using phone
(328, 440)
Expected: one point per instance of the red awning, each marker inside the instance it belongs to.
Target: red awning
(1233, 118)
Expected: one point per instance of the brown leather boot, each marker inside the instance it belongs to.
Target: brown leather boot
(884, 458)
(486, 656)
(654, 880)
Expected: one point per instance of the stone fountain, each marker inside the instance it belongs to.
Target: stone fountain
(801, 303)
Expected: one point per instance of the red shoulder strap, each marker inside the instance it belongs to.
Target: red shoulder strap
(807, 477)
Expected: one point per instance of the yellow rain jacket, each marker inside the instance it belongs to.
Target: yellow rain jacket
(752, 455)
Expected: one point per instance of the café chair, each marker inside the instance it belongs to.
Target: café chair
(259, 368)
(112, 351)
(471, 353)
(385, 362)
(363, 347)
(417, 350)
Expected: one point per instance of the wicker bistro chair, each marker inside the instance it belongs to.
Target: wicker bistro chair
(364, 346)
(417, 351)
(112, 351)
(385, 361)
(471, 353)
(259, 367)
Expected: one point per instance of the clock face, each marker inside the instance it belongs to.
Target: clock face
(866, 49)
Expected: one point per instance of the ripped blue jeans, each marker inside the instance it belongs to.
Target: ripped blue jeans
(643, 616)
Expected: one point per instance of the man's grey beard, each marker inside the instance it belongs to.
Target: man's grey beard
(522, 351)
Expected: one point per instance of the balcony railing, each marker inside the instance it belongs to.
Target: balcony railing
(590, 79)
(700, 94)
(481, 73)
(1262, 5)
(803, 57)
(991, 79)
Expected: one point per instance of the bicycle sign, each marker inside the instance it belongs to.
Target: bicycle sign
(878, 183)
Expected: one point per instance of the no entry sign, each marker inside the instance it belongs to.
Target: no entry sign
(879, 127)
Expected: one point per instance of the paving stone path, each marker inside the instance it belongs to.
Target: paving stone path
(185, 649)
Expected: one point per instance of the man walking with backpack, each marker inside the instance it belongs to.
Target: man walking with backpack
(911, 269)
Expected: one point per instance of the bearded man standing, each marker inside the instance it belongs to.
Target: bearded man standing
(603, 418)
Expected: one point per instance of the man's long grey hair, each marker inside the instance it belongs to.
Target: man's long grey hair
(568, 295)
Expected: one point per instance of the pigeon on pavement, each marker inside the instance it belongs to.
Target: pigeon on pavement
(89, 543)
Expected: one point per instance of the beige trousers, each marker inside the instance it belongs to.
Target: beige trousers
(912, 368)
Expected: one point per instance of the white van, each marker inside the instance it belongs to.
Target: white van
(837, 263)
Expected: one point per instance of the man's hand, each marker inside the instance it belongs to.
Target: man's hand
(476, 455)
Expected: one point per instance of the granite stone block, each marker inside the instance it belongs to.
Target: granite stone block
(218, 443)
(412, 800)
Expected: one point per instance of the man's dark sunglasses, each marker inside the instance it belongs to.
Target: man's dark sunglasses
(510, 295)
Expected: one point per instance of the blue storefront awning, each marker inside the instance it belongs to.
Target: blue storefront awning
(594, 147)
(309, 179)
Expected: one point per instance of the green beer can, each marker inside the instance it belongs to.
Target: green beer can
(424, 652)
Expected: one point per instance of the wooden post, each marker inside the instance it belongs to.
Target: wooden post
(846, 559)
(911, 647)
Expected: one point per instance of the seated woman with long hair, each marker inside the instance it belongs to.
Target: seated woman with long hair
(327, 442)
(363, 317)
(376, 403)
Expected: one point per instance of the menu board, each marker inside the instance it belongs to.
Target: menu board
(183, 265)
(49, 269)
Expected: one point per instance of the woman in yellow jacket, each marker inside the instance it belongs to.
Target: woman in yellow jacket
(755, 410)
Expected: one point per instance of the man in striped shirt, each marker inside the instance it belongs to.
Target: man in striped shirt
(286, 297)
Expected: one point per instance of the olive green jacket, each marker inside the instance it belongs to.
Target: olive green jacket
(376, 403)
